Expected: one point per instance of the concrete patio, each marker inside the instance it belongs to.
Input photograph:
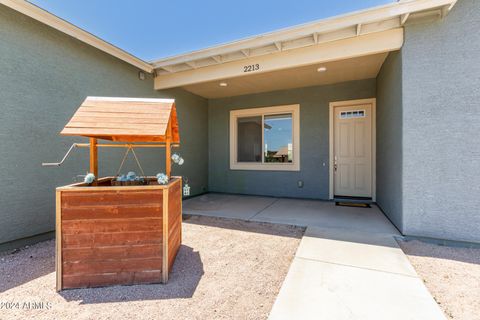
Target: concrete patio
(348, 264)
(306, 213)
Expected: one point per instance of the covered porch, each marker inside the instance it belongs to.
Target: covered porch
(309, 112)
(298, 212)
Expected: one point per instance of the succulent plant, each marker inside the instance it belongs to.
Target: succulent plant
(162, 178)
(89, 178)
(175, 158)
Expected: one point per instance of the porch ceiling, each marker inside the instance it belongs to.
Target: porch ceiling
(365, 67)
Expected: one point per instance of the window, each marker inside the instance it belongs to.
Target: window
(249, 133)
(265, 138)
(277, 138)
(352, 114)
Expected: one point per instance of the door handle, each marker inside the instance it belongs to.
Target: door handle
(335, 164)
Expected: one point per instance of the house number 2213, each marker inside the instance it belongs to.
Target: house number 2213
(251, 67)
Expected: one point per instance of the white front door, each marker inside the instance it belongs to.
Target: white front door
(352, 151)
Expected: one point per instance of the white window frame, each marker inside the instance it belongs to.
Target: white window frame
(294, 109)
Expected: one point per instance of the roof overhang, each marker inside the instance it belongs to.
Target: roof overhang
(385, 41)
(371, 31)
(125, 119)
(55, 22)
(307, 44)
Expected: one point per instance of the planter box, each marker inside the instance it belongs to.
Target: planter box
(117, 235)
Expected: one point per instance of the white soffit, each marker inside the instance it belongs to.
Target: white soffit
(367, 24)
(55, 22)
(366, 67)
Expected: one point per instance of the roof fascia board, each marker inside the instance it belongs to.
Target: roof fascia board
(379, 13)
(373, 43)
(55, 22)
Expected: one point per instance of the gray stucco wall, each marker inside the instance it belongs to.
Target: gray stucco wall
(441, 116)
(314, 106)
(389, 138)
(44, 77)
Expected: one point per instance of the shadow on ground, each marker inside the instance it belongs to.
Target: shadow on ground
(247, 226)
(21, 266)
(183, 281)
(434, 250)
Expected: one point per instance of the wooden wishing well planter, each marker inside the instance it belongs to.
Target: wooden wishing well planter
(119, 235)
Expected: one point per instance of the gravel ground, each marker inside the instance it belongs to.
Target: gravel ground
(451, 274)
(225, 269)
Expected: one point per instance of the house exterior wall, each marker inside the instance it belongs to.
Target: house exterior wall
(389, 138)
(428, 155)
(314, 141)
(45, 75)
(441, 120)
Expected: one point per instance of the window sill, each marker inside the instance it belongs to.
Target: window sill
(265, 166)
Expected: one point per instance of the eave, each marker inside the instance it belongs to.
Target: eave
(55, 22)
(360, 24)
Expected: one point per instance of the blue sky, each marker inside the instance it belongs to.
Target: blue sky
(280, 134)
(152, 29)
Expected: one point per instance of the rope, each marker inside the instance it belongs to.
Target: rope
(123, 161)
(136, 160)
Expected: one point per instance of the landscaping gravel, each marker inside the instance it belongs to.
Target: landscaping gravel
(452, 275)
(225, 269)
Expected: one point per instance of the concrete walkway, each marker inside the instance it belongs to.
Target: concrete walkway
(348, 264)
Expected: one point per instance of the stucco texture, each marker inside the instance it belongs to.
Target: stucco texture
(314, 109)
(45, 75)
(441, 117)
(389, 138)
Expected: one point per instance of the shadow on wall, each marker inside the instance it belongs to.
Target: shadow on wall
(183, 281)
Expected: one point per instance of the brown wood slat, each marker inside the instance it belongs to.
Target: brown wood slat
(175, 129)
(117, 225)
(109, 253)
(116, 125)
(92, 119)
(112, 212)
(173, 224)
(174, 239)
(114, 102)
(112, 266)
(122, 116)
(143, 120)
(118, 102)
(174, 221)
(93, 132)
(173, 217)
(81, 198)
(101, 280)
(174, 245)
(116, 236)
(174, 204)
(89, 240)
(127, 108)
(135, 138)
